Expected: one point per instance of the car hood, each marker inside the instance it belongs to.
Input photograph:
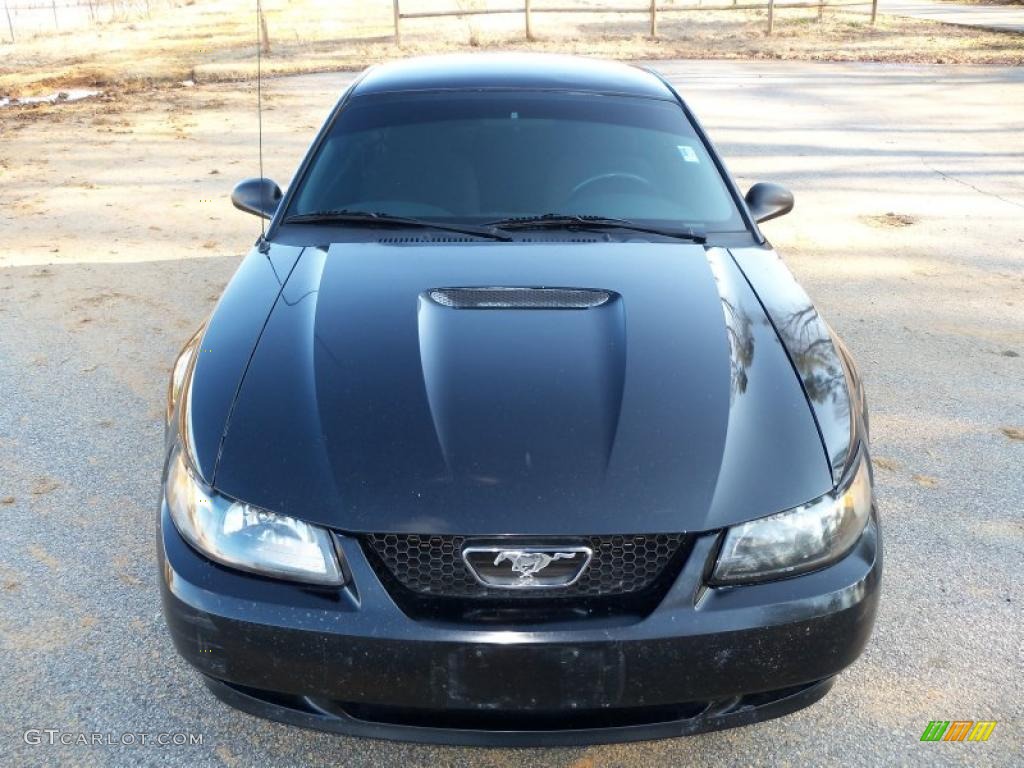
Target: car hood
(369, 406)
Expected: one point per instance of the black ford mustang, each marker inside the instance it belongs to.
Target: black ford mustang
(514, 429)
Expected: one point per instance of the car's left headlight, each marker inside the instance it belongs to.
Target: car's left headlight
(247, 537)
(179, 371)
(801, 539)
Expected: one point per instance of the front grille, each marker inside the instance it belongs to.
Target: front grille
(432, 566)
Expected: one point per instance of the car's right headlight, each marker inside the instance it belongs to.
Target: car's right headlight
(246, 537)
(798, 540)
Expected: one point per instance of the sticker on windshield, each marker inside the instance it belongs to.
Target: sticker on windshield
(688, 154)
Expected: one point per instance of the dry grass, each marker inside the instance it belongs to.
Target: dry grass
(214, 40)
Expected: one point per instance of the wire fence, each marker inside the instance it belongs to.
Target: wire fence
(32, 17)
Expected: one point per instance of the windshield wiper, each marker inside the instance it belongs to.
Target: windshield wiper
(580, 221)
(373, 218)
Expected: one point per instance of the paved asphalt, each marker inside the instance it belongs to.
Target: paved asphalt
(1007, 18)
(908, 232)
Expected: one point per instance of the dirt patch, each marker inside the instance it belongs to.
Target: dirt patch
(121, 566)
(43, 485)
(226, 756)
(886, 464)
(43, 556)
(40, 635)
(1014, 433)
(925, 481)
(890, 219)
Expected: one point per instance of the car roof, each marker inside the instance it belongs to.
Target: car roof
(511, 71)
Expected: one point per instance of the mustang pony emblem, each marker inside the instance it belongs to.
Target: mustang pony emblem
(531, 568)
(528, 563)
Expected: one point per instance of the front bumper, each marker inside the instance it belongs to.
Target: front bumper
(351, 661)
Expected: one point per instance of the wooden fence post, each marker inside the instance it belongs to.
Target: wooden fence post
(874, 10)
(398, 18)
(529, 21)
(771, 16)
(56, 26)
(654, 18)
(821, 9)
(10, 24)
(264, 37)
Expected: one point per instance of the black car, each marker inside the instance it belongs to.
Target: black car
(513, 429)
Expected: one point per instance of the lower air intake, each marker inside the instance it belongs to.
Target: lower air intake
(519, 298)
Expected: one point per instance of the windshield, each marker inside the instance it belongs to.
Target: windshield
(491, 155)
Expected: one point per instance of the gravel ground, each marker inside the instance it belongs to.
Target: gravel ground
(910, 188)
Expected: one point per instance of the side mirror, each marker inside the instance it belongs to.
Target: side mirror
(257, 196)
(768, 201)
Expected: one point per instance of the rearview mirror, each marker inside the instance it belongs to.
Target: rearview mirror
(768, 201)
(258, 196)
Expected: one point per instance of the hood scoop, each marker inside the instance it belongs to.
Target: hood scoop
(519, 298)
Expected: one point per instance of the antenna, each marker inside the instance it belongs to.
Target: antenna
(259, 98)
